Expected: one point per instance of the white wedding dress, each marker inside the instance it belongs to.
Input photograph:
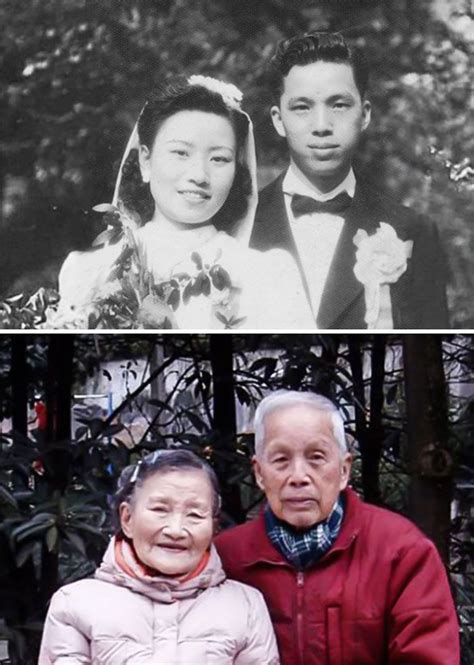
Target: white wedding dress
(267, 290)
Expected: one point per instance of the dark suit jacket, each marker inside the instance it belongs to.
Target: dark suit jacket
(418, 297)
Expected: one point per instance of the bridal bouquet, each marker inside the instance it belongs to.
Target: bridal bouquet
(20, 312)
(130, 296)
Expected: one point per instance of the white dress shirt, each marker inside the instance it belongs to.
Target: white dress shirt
(316, 234)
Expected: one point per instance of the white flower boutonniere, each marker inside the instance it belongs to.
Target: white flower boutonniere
(381, 259)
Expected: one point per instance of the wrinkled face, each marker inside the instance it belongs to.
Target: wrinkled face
(170, 520)
(301, 469)
(322, 116)
(191, 166)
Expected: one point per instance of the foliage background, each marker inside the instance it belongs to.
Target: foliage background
(75, 73)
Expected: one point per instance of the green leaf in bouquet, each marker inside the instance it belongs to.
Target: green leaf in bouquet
(130, 237)
(121, 264)
(51, 296)
(113, 219)
(30, 314)
(231, 322)
(223, 319)
(201, 285)
(234, 322)
(206, 286)
(130, 219)
(146, 282)
(93, 320)
(105, 207)
(125, 254)
(169, 292)
(187, 292)
(196, 285)
(196, 257)
(6, 307)
(105, 237)
(182, 276)
(162, 289)
(42, 298)
(173, 299)
(14, 300)
(220, 277)
(119, 309)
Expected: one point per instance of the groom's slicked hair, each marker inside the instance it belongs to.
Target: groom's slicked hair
(315, 47)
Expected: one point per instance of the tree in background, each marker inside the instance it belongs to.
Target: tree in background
(76, 73)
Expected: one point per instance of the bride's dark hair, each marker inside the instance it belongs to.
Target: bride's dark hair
(179, 95)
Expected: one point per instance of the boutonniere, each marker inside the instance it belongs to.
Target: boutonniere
(381, 259)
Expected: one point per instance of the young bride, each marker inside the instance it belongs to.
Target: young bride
(175, 252)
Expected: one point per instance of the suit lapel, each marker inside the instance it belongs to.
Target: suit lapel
(342, 289)
(272, 228)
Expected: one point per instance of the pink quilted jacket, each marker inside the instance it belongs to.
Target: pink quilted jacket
(115, 619)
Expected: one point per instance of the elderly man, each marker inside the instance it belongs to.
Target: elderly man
(346, 583)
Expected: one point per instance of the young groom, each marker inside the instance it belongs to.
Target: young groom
(366, 261)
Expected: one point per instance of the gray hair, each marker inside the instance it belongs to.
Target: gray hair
(281, 399)
(161, 461)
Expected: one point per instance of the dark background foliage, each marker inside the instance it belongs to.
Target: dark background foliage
(75, 73)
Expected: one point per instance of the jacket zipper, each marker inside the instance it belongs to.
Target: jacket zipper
(299, 616)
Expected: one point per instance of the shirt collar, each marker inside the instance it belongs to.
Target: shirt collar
(292, 184)
(304, 548)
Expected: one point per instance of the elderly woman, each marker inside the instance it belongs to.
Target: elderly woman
(160, 594)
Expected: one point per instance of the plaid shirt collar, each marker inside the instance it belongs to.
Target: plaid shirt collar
(304, 548)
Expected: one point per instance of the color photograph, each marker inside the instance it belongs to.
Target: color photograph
(226, 498)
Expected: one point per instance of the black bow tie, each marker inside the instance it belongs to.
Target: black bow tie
(305, 205)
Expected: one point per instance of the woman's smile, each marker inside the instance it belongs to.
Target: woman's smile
(172, 547)
(194, 195)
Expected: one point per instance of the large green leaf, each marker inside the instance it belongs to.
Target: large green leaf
(76, 540)
(52, 536)
(7, 497)
(24, 553)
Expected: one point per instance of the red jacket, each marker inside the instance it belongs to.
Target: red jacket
(379, 596)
